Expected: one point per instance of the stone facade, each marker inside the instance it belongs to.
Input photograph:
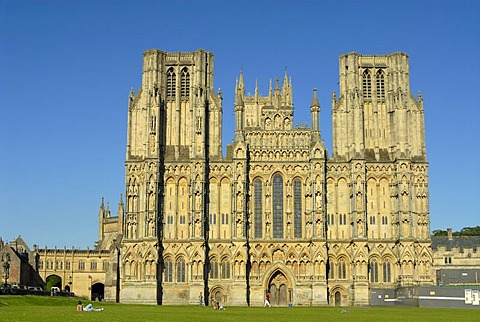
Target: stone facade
(277, 213)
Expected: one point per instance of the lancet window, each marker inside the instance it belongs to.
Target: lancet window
(380, 80)
(297, 208)
(367, 84)
(185, 84)
(225, 268)
(171, 81)
(387, 271)
(257, 208)
(374, 271)
(168, 271)
(277, 206)
(214, 268)
(181, 270)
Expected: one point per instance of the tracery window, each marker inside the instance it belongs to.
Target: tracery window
(342, 269)
(331, 270)
(214, 268)
(277, 206)
(297, 208)
(185, 84)
(171, 82)
(225, 268)
(257, 208)
(168, 271)
(387, 271)
(81, 265)
(93, 265)
(181, 271)
(367, 84)
(374, 271)
(67, 265)
(380, 79)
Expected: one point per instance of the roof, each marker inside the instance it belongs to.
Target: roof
(462, 242)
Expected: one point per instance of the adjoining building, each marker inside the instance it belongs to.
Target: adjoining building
(277, 213)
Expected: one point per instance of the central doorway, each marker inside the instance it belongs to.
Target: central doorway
(277, 287)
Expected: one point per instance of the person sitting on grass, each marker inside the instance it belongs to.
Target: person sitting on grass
(87, 308)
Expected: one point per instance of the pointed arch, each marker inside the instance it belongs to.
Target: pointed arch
(278, 215)
(171, 83)
(367, 84)
(258, 207)
(185, 83)
(380, 81)
(297, 208)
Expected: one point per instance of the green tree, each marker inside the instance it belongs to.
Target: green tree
(53, 280)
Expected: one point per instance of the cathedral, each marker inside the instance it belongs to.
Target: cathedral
(275, 213)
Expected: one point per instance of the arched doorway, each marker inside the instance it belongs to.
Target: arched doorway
(338, 298)
(53, 281)
(220, 296)
(98, 292)
(278, 289)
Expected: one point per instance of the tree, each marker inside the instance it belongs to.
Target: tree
(466, 231)
(53, 280)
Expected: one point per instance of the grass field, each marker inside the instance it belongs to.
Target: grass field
(47, 309)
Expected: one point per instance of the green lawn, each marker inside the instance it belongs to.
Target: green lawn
(47, 309)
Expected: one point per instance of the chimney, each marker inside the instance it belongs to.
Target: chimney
(449, 234)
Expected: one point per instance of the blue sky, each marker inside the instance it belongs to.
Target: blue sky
(66, 68)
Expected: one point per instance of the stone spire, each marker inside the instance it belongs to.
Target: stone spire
(121, 207)
(315, 112)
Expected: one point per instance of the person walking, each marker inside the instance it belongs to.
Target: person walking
(267, 300)
(200, 299)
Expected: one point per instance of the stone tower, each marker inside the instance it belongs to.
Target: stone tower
(378, 181)
(174, 117)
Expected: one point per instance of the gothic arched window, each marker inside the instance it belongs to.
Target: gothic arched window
(214, 268)
(181, 271)
(185, 84)
(342, 269)
(257, 208)
(367, 84)
(225, 268)
(331, 269)
(277, 206)
(297, 208)
(386, 271)
(168, 271)
(374, 271)
(171, 82)
(380, 80)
